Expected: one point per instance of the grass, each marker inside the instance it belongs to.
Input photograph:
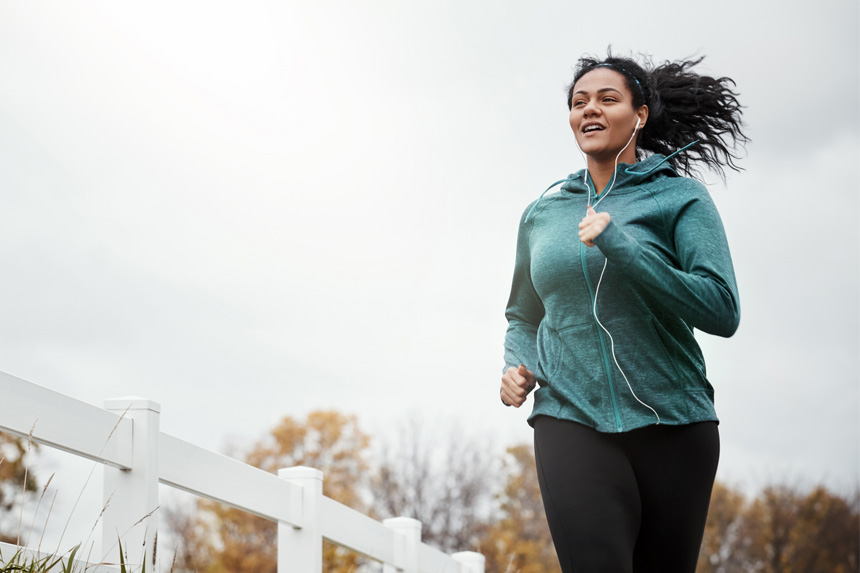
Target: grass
(21, 562)
(24, 560)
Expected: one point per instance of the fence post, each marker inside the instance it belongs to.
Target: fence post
(470, 562)
(300, 549)
(406, 550)
(131, 496)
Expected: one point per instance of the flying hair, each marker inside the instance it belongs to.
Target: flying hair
(683, 106)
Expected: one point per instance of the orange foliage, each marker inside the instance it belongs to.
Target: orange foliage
(519, 541)
(225, 540)
(13, 487)
(783, 530)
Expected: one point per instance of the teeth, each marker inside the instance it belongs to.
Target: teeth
(592, 128)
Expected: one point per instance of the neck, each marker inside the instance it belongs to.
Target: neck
(602, 169)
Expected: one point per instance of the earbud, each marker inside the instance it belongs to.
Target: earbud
(638, 122)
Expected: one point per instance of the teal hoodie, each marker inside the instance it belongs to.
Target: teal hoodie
(668, 271)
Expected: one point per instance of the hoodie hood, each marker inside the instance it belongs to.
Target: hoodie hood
(625, 175)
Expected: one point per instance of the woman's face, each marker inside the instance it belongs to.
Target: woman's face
(602, 115)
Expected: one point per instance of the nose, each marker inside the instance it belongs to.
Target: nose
(590, 109)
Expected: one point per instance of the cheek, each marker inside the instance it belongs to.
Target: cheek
(575, 120)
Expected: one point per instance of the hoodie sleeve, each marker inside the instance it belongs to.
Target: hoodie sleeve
(702, 292)
(525, 309)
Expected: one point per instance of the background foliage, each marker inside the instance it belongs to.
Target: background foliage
(468, 498)
(17, 484)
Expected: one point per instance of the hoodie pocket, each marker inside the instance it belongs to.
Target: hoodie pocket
(562, 352)
(549, 353)
(688, 371)
(661, 342)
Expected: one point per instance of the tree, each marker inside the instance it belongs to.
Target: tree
(782, 530)
(444, 480)
(221, 539)
(17, 482)
(826, 536)
(767, 526)
(519, 540)
(193, 535)
(726, 511)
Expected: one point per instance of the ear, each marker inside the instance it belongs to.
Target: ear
(642, 114)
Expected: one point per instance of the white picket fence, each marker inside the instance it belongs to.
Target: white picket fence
(125, 436)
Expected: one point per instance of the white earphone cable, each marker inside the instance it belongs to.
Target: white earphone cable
(612, 344)
(605, 261)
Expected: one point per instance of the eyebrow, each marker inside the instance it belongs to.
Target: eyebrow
(600, 91)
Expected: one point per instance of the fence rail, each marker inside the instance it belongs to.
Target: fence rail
(125, 436)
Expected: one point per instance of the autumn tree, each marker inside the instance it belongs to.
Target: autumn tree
(192, 531)
(440, 477)
(782, 530)
(765, 533)
(220, 539)
(826, 536)
(519, 540)
(788, 531)
(17, 482)
(722, 536)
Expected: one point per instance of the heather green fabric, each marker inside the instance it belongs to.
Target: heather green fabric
(668, 272)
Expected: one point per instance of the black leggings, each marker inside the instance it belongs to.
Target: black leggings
(630, 502)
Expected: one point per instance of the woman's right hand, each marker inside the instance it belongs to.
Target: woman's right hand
(516, 385)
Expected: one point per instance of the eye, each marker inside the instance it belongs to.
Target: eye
(609, 99)
(578, 103)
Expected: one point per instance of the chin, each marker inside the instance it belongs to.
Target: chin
(595, 152)
(587, 147)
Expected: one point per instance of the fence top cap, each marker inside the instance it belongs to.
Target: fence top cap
(469, 557)
(300, 472)
(402, 523)
(132, 403)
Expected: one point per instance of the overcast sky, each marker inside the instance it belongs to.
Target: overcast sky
(246, 210)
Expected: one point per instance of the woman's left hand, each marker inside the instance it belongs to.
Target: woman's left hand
(592, 225)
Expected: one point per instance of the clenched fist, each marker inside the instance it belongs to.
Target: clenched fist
(516, 385)
(592, 225)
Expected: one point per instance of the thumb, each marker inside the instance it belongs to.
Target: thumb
(591, 210)
(526, 373)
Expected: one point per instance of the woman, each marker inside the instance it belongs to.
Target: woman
(612, 275)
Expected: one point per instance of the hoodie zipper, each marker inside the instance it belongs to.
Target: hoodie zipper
(606, 364)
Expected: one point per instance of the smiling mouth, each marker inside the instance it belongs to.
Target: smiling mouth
(592, 128)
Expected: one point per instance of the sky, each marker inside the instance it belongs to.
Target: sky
(244, 211)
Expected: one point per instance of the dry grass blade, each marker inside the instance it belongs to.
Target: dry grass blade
(50, 510)
(96, 522)
(38, 505)
(24, 486)
(81, 493)
(154, 548)
(141, 520)
(124, 533)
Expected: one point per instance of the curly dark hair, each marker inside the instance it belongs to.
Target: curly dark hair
(683, 107)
